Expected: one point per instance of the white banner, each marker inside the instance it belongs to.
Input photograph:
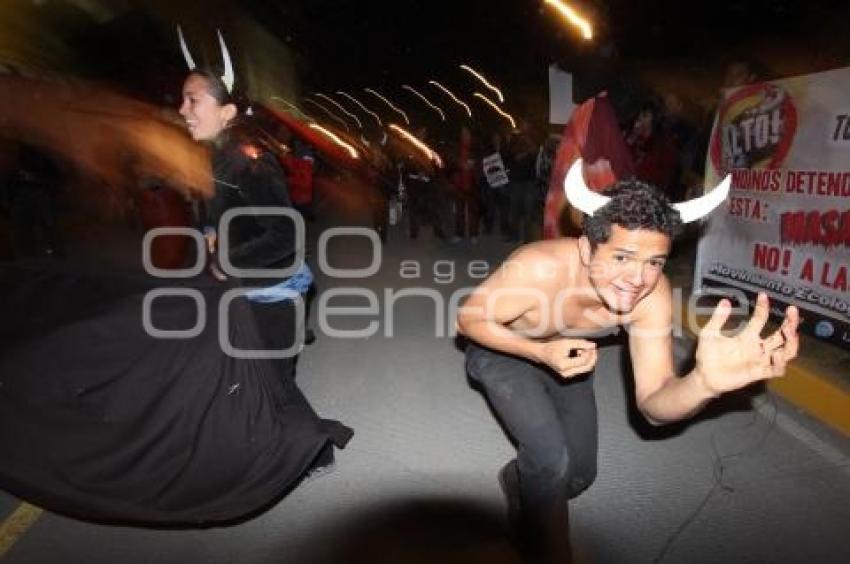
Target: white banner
(786, 226)
(561, 104)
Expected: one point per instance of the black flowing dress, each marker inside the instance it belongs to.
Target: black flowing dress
(101, 420)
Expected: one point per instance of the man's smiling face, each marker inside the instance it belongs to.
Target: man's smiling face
(627, 267)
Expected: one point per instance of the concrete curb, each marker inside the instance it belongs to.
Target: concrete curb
(816, 394)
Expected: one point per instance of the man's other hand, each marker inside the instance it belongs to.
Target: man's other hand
(569, 357)
(730, 363)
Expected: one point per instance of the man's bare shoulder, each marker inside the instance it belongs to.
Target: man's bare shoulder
(657, 307)
(538, 263)
(549, 250)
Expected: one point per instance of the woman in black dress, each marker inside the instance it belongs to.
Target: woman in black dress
(102, 419)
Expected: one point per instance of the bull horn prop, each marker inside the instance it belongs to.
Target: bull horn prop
(228, 77)
(186, 54)
(587, 201)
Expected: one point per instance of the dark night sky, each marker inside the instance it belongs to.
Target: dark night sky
(357, 41)
(351, 44)
(380, 43)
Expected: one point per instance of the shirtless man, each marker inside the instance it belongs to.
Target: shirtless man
(523, 321)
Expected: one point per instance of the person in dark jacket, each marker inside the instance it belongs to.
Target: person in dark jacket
(246, 174)
(149, 425)
(263, 251)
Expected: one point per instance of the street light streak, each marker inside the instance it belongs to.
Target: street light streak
(483, 80)
(335, 138)
(499, 110)
(342, 109)
(412, 139)
(390, 104)
(284, 101)
(426, 100)
(364, 108)
(327, 111)
(573, 17)
(451, 95)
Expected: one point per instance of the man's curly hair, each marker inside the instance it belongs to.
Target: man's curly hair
(633, 205)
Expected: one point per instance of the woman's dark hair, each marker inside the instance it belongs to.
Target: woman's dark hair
(218, 90)
(633, 205)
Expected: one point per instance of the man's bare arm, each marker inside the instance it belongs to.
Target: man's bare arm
(506, 296)
(660, 395)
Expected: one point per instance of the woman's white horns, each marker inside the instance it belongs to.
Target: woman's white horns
(228, 77)
(586, 200)
(183, 47)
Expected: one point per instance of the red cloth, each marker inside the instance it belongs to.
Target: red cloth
(594, 135)
(329, 149)
(164, 207)
(299, 178)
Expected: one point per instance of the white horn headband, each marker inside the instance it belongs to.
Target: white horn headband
(585, 200)
(227, 77)
(186, 54)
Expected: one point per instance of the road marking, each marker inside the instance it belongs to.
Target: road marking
(16, 525)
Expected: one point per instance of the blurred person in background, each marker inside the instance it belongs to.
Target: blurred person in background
(466, 196)
(652, 150)
(424, 184)
(380, 175)
(522, 190)
(683, 133)
(738, 72)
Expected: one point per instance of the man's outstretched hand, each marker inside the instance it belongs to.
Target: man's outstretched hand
(729, 363)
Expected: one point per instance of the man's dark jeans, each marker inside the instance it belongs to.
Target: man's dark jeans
(551, 420)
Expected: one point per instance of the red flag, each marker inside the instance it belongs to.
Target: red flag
(593, 135)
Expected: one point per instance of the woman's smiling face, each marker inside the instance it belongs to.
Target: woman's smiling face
(205, 116)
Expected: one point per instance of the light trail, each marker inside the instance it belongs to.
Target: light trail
(452, 96)
(285, 102)
(341, 108)
(330, 113)
(362, 107)
(335, 138)
(390, 104)
(573, 17)
(413, 140)
(495, 106)
(435, 107)
(483, 80)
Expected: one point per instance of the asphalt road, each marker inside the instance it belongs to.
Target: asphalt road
(746, 482)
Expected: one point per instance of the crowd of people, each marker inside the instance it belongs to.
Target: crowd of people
(494, 181)
(482, 185)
